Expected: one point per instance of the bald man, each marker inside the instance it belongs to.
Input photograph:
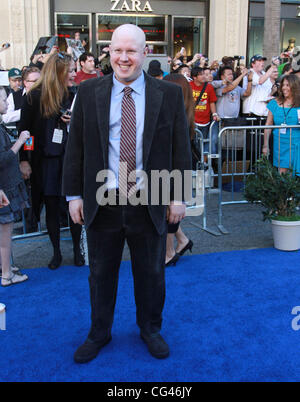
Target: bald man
(127, 118)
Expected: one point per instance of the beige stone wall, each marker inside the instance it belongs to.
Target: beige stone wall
(22, 23)
(228, 28)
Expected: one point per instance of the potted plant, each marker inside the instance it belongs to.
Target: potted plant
(279, 194)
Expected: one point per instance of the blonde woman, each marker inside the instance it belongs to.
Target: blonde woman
(46, 115)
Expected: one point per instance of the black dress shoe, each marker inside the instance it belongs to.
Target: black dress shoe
(189, 246)
(173, 261)
(55, 262)
(157, 346)
(78, 258)
(89, 351)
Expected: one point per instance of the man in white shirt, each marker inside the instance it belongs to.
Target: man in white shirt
(255, 104)
(14, 100)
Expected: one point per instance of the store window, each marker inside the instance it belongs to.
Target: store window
(71, 27)
(155, 28)
(256, 36)
(290, 29)
(188, 32)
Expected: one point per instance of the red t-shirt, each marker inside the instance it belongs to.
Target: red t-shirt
(82, 76)
(202, 110)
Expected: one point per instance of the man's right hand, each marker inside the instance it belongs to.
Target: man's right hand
(25, 170)
(76, 211)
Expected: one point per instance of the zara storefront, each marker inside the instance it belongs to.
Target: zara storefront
(168, 25)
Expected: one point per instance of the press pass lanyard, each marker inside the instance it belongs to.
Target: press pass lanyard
(286, 114)
(283, 129)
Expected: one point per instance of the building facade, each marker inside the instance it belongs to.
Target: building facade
(212, 27)
(289, 25)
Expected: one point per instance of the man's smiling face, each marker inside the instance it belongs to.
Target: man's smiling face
(127, 53)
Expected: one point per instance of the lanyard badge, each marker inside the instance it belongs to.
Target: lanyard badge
(29, 144)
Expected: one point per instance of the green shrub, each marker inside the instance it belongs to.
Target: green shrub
(279, 194)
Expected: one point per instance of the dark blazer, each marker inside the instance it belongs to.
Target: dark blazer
(166, 142)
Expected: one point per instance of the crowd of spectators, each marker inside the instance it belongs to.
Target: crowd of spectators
(226, 90)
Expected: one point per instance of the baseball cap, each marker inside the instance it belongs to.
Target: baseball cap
(257, 57)
(14, 73)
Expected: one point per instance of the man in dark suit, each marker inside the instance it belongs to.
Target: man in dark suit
(125, 117)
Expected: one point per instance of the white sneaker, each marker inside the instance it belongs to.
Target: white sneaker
(13, 280)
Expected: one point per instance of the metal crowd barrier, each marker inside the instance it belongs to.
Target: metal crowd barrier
(239, 147)
(240, 169)
(40, 232)
(202, 172)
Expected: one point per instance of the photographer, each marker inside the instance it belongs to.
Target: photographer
(275, 83)
(104, 61)
(230, 94)
(38, 60)
(255, 104)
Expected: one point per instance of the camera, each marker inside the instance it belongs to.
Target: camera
(238, 57)
(65, 112)
(97, 62)
(276, 60)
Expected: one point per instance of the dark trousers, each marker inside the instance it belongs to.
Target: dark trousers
(106, 238)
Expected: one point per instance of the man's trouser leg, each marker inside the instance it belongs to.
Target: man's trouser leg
(106, 238)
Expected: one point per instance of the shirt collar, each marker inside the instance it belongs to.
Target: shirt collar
(137, 85)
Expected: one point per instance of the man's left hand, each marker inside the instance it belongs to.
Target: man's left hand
(176, 212)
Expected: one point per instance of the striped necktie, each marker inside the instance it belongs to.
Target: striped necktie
(127, 144)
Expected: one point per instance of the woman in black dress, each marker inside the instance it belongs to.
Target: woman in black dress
(45, 115)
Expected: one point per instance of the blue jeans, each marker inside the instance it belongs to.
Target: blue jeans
(214, 137)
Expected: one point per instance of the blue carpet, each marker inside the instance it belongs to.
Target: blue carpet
(227, 318)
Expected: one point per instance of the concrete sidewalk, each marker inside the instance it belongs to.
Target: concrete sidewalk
(244, 223)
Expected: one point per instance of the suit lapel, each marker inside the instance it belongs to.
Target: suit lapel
(154, 97)
(103, 95)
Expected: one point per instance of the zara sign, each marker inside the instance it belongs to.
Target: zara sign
(131, 6)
